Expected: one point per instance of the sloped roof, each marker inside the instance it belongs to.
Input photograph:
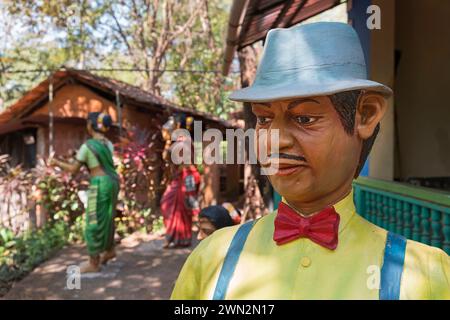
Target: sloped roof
(129, 94)
(263, 15)
(250, 20)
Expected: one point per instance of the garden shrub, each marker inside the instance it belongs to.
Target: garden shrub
(58, 192)
(21, 254)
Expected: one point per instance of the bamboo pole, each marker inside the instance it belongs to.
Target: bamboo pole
(119, 118)
(50, 116)
(119, 112)
(237, 14)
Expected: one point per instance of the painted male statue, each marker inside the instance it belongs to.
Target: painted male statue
(312, 86)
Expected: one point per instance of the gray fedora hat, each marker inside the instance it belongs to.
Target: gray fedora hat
(310, 60)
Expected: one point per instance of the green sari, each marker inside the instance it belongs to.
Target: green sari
(102, 199)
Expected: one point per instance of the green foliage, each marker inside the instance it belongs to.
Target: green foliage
(202, 51)
(201, 168)
(138, 34)
(19, 255)
(58, 192)
(34, 247)
(158, 225)
(27, 55)
(139, 169)
(7, 242)
(134, 221)
(73, 23)
(76, 230)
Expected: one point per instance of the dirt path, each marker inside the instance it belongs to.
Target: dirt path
(142, 270)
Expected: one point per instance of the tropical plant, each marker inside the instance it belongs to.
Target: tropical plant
(140, 169)
(21, 254)
(58, 191)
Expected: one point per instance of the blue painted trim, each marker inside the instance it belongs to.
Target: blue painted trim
(231, 260)
(402, 197)
(276, 200)
(391, 272)
(365, 169)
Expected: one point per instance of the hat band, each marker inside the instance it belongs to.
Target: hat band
(312, 74)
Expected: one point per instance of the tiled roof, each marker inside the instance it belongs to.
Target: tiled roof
(129, 94)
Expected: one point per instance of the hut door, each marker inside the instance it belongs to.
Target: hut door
(29, 147)
(21, 146)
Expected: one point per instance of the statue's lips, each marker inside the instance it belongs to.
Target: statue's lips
(285, 168)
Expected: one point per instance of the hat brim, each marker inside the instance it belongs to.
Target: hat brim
(274, 92)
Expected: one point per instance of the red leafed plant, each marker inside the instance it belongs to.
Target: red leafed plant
(140, 166)
(56, 191)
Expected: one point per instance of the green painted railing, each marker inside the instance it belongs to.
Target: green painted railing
(420, 214)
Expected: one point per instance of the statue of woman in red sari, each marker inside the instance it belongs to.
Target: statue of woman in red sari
(179, 202)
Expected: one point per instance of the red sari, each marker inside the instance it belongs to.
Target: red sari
(179, 203)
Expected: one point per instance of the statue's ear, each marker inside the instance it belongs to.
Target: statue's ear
(369, 112)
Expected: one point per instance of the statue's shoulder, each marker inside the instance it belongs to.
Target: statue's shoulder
(425, 253)
(219, 242)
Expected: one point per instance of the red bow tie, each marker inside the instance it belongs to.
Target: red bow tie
(322, 228)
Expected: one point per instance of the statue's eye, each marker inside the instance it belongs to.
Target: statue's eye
(262, 120)
(305, 119)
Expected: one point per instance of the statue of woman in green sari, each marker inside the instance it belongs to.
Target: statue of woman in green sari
(97, 154)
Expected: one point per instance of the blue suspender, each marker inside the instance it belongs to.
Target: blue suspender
(231, 259)
(391, 272)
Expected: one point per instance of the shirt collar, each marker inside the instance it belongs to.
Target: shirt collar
(345, 208)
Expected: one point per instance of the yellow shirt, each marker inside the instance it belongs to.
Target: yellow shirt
(302, 269)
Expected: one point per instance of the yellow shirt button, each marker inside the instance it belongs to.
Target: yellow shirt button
(305, 262)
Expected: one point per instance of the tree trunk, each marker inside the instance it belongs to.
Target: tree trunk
(254, 203)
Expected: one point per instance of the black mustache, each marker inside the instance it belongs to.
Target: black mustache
(287, 156)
